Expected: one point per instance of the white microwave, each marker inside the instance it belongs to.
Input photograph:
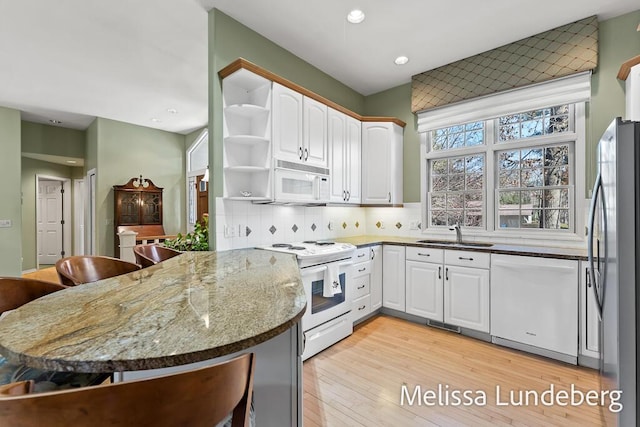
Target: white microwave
(296, 183)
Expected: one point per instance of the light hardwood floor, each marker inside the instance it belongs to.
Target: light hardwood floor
(47, 274)
(358, 382)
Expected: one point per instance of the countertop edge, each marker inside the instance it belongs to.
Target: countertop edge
(498, 248)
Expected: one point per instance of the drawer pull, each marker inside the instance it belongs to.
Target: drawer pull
(361, 255)
(439, 272)
(465, 259)
(421, 254)
(362, 308)
(446, 273)
(362, 269)
(361, 287)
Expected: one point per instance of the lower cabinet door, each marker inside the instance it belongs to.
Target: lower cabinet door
(424, 290)
(466, 297)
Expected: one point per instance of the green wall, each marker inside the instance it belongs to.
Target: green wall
(31, 168)
(396, 102)
(44, 139)
(618, 42)
(10, 208)
(120, 151)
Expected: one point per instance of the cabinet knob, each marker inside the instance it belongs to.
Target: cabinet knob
(300, 152)
(446, 273)
(389, 196)
(306, 154)
(439, 272)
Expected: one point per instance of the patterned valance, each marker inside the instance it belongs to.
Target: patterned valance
(563, 51)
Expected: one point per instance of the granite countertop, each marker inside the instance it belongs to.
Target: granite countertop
(192, 307)
(498, 248)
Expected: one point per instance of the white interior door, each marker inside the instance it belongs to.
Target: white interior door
(49, 221)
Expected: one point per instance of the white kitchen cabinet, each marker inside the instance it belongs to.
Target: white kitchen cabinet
(375, 280)
(424, 290)
(448, 286)
(589, 320)
(393, 277)
(534, 301)
(314, 139)
(382, 160)
(299, 128)
(366, 274)
(287, 124)
(344, 158)
(466, 297)
(246, 136)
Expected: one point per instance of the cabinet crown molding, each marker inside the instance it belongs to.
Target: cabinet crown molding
(242, 63)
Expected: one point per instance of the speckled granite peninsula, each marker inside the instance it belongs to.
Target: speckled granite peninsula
(193, 307)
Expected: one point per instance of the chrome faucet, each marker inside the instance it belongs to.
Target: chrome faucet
(458, 230)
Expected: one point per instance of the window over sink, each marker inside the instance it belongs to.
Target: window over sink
(507, 168)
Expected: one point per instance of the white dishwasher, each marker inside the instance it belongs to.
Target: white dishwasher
(534, 301)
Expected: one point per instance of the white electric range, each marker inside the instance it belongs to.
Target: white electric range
(326, 269)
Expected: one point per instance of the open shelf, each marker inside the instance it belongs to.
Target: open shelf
(247, 110)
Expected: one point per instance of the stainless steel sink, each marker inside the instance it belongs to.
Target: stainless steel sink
(450, 243)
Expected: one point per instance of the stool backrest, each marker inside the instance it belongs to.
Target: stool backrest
(16, 291)
(148, 255)
(75, 270)
(195, 398)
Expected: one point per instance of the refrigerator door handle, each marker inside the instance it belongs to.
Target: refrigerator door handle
(597, 187)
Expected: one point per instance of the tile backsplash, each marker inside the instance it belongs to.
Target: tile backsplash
(241, 224)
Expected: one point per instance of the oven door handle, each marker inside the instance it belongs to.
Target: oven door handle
(309, 271)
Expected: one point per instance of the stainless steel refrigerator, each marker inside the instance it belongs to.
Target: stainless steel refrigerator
(613, 257)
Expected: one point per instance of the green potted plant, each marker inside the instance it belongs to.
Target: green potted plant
(198, 240)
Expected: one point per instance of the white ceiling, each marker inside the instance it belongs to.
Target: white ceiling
(132, 61)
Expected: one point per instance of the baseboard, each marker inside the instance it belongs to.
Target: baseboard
(31, 270)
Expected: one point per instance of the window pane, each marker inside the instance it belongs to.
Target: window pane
(509, 179)
(439, 167)
(457, 190)
(509, 159)
(438, 218)
(533, 123)
(536, 189)
(465, 135)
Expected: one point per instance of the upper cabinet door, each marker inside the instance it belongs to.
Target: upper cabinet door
(287, 124)
(381, 163)
(337, 161)
(353, 156)
(314, 145)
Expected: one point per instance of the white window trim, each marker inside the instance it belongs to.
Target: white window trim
(480, 106)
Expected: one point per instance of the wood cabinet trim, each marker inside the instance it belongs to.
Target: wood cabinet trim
(625, 68)
(242, 63)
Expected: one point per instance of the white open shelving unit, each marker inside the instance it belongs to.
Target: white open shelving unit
(247, 165)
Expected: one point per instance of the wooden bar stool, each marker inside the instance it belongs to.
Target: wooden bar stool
(76, 270)
(15, 292)
(195, 398)
(148, 255)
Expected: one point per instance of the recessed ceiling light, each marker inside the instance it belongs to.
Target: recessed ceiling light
(356, 16)
(172, 111)
(72, 162)
(401, 60)
(156, 120)
(55, 122)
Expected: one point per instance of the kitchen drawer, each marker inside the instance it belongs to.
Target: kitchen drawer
(425, 254)
(361, 269)
(362, 254)
(360, 286)
(361, 307)
(467, 258)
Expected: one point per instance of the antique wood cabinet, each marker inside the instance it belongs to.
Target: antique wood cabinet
(137, 203)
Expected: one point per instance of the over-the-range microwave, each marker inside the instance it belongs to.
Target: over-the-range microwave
(298, 183)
